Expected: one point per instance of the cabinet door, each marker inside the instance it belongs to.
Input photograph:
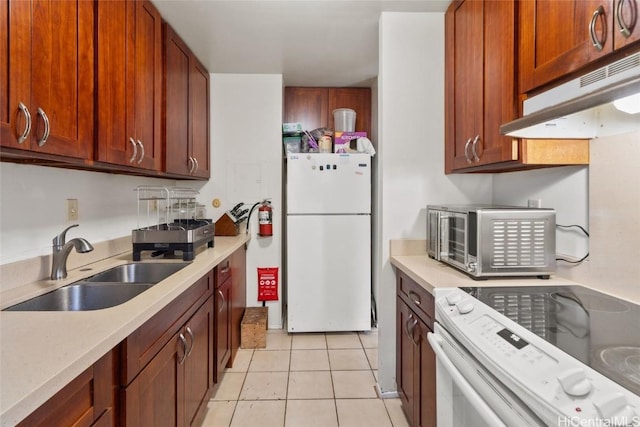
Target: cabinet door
(427, 383)
(307, 105)
(176, 104)
(407, 377)
(479, 83)
(199, 112)
(626, 27)
(199, 363)
(358, 99)
(238, 264)
(148, 84)
(5, 127)
(50, 75)
(156, 396)
(556, 38)
(186, 118)
(222, 304)
(463, 81)
(129, 83)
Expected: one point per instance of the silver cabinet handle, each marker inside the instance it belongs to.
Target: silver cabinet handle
(473, 148)
(624, 29)
(27, 125)
(197, 165)
(184, 347)
(406, 328)
(221, 300)
(193, 341)
(141, 152)
(466, 152)
(595, 41)
(135, 150)
(415, 297)
(47, 127)
(192, 164)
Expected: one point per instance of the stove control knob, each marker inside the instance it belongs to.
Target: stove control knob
(464, 307)
(453, 299)
(574, 382)
(615, 407)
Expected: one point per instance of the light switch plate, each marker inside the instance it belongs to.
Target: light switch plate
(72, 209)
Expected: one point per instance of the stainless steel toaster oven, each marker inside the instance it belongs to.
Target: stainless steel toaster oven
(487, 241)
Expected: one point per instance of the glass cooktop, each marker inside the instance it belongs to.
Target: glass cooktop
(599, 330)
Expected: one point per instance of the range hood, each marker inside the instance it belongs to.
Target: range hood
(583, 108)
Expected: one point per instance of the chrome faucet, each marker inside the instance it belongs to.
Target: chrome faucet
(61, 251)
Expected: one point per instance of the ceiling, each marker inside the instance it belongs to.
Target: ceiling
(309, 42)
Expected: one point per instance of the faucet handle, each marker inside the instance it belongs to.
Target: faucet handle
(60, 239)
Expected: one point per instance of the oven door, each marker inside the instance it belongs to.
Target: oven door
(453, 238)
(468, 395)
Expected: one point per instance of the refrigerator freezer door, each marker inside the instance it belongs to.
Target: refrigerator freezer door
(329, 273)
(328, 183)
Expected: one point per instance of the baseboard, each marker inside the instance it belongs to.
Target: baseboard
(386, 394)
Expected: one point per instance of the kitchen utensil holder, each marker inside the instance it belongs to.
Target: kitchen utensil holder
(226, 225)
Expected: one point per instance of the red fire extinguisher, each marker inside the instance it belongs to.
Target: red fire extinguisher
(265, 219)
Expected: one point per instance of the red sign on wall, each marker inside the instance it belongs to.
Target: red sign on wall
(267, 283)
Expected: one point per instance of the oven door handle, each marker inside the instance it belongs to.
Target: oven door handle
(469, 392)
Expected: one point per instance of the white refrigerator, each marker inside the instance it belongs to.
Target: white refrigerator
(328, 264)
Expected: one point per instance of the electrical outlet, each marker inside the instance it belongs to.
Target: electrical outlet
(72, 209)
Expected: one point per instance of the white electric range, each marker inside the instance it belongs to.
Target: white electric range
(539, 356)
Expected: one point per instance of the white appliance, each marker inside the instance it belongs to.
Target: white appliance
(328, 264)
(493, 371)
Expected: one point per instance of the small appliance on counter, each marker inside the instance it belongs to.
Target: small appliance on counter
(491, 241)
(168, 221)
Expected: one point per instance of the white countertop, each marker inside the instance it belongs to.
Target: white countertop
(41, 352)
(431, 274)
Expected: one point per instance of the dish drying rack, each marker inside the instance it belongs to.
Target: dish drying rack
(167, 222)
(165, 205)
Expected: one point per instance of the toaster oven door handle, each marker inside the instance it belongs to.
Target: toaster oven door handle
(444, 238)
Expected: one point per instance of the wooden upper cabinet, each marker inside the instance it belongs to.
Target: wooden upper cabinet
(561, 37)
(313, 106)
(307, 105)
(626, 25)
(186, 109)
(479, 83)
(5, 127)
(357, 99)
(129, 88)
(47, 86)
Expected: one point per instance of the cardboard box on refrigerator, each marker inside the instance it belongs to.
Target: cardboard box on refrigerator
(342, 141)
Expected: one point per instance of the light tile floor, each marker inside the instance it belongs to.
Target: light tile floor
(305, 380)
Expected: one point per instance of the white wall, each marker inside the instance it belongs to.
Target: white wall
(410, 154)
(246, 164)
(33, 207)
(566, 189)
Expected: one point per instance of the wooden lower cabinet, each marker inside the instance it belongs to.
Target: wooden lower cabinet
(415, 360)
(173, 389)
(238, 297)
(222, 316)
(88, 400)
(229, 303)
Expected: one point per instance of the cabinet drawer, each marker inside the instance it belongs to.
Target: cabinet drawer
(417, 298)
(142, 345)
(222, 272)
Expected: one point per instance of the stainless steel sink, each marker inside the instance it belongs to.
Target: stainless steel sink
(138, 273)
(107, 289)
(83, 296)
